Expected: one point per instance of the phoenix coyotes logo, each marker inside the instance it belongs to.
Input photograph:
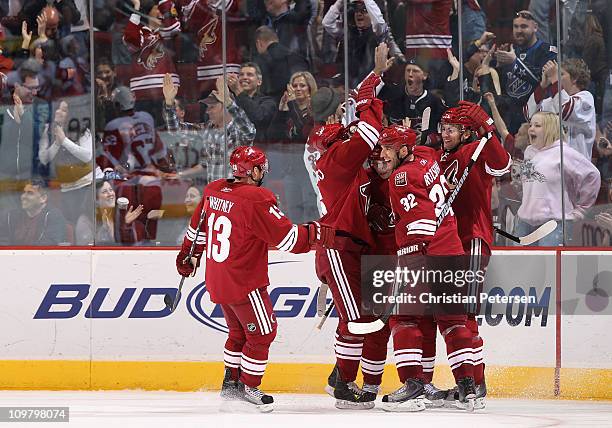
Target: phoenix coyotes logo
(207, 35)
(155, 54)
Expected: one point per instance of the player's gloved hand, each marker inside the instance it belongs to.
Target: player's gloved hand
(186, 266)
(380, 217)
(480, 119)
(367, 91)
(320, 234)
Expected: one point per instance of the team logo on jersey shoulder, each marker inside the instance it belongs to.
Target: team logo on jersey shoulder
(226, 190)
(251, 327)
(401, 179)
(423, 162)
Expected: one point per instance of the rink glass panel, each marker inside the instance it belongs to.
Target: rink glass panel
(228, 40)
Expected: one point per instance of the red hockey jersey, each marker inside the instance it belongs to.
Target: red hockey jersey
(473, 203)
(343, 182)
(241, 221)
(133, 140)
(202, 18)
(150, 60)
(428, 28)
(418, 191)
(384, 240)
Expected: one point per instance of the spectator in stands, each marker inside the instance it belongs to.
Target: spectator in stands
(577, 103)
(541, 178)
(478, 76)
(63, 14)
(276, 61)
(70, 162)
(520, 65)
(227, 128)
(604, 153)
(193, 196)
(105, 79)
(604, 218)
(288, 134)
(411, 100)
(18, 130)
(260, 109)
(474, 20)
(35, 223)
(366, 29)
(114, 224)
(290, 24)
(293, 120)
(426, 28)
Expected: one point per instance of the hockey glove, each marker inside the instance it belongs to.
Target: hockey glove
(184, 266)
(380, 217)
(367, 91)
(320, 234)
(481, 121)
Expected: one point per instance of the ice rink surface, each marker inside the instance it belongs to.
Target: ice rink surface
(119, 409)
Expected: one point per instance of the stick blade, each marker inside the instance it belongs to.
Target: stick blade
(542, 231)
(365, 327)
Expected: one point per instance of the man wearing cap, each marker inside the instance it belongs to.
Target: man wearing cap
(520, 65)
(223, 114)
(411, 100)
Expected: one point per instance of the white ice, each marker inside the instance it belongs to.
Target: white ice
(118, 409)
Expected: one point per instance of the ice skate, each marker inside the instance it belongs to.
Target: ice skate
(466, 394)
(370, 391)
(229, 387)
(331, 381)
(452, 397)
(263, 401)
(349, 396)
(481, 393)
(410, 397)
(434, 397)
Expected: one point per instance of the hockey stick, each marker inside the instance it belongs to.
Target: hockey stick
(542, 231)
(168, 300)
(325, 316)
(373, 326)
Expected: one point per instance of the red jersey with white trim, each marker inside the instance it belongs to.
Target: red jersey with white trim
(384, 240)
(473, 203)
(343, 182)
(143, 149)
(242, 220)
(418, 190)
(202, 18)
(428, 28)
(150, 60)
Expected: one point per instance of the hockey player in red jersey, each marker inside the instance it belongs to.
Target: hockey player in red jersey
(417, 191)
(241, 221)
(461, 128)
(345, 198)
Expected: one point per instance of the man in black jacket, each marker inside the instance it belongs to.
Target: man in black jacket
(34, 223)
(260, 109)
(276, 61)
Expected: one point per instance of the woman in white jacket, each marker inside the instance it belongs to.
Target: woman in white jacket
(541, 180)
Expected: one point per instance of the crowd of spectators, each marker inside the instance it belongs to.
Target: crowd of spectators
(177, 84)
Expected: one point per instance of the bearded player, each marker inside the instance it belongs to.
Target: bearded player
(417, 192)
(241, 221)
(461, 128)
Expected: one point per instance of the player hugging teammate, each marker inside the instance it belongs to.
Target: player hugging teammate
(398, 205)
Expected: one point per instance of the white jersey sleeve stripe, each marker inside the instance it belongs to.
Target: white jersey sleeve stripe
(498, 172)
(289, 241)
(368, 133)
